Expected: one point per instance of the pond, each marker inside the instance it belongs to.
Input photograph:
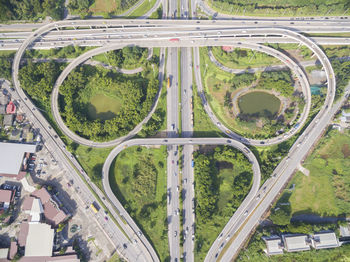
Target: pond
(103, 107)
(259, 104)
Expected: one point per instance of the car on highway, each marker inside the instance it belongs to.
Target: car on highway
(175, 234)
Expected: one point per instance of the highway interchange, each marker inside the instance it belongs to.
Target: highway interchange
(114, 34)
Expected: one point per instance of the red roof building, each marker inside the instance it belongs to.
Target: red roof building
(227, 48)
(11, 108)
(53, 214)
(5, 198)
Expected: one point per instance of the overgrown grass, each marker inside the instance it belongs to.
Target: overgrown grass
(202, 125)
(71, 51)
(325, 191)
(233, 173)
(138, 179)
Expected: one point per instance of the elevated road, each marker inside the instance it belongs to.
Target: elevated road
(196, 34)
(76, 62)
(198, 42)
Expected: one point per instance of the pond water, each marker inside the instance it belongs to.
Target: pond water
(103, 107)
(259, 104)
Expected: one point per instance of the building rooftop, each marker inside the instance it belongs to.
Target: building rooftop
(296, 242)
(13, 250)
(325, 240)
(8, 120)
(42, 194)
(10, 108)
(5, 196)
(2, 109)
(3, 253)
(64, 258)
(23, 232)
(11, 156)
(53, 214)
(274, 245)
(39, 240)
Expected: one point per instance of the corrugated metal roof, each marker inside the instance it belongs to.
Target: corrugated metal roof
(11, 156)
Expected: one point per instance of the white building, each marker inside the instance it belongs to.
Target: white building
(294, 243)
(274, 245)
(325, 240)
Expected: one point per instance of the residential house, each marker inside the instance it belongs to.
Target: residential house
(6, 197)
(53, 214)
(7, 121)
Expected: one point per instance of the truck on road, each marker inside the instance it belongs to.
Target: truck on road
(168, 82)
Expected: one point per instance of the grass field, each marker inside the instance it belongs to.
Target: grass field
(103, 107)
(243, 58)
(92, 159)
(113, 7)
(326, 191)
(138, 179)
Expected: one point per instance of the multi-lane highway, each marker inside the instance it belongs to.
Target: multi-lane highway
(187, 176)
(113, 34)
(173, 126)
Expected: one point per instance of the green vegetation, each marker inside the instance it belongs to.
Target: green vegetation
(202, 125)
(327, 187)
(91, 159)
(30, 9)
(6, 64)
(223, 178)
(38, 79)
(138, 179)
(157, 122)
(106, 8)
(243, 58)
(142, 9)
(325, 192)
(342, 75)
(259, 104)
(135, 95)
(70, 51)
(222, 90)
(130, 57)
(281, 8)
(158, 14)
